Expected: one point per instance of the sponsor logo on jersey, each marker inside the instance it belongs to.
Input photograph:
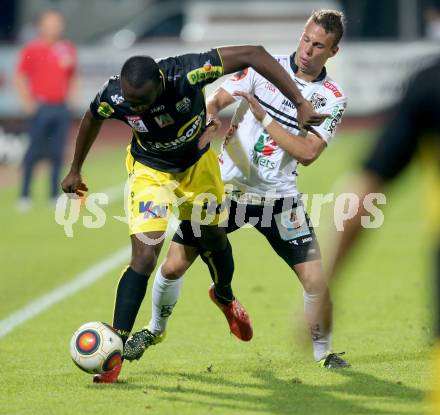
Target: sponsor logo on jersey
(105, 110)
(184, 105)
(157, 109)
(207, 71)
(164, 120)
(287, 103)
(332, 88)
(239, 75)
(136, 123)
(270, 87)
(186, 134)
(265, 144)
(152, 211)
(336, 116)
(263, 149)
(191, 129)
(117, 99)
(318, 101)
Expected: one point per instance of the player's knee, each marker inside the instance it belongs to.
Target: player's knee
(174, 268)
(213, 238)
(314, 283)
(144, 259)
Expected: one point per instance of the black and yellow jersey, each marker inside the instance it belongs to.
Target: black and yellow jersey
(414, 128)
(165, 137)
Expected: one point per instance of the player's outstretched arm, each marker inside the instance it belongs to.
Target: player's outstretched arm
(236, 58)
(87, 134)
(304, 149)
(219, 100)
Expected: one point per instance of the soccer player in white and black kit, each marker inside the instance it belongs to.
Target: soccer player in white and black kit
(259, 165)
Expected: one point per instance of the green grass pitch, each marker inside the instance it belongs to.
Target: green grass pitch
(383, 315)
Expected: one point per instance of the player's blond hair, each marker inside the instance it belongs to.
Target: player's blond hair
(332, 21)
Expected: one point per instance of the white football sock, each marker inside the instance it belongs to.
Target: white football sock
(164, 298)
(321, 336)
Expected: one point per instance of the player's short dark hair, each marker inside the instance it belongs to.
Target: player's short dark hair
(137, 70)
(332, 21)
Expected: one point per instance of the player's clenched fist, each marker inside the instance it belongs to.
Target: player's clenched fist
(73, 183)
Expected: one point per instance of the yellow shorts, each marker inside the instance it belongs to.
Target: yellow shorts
(195, 194)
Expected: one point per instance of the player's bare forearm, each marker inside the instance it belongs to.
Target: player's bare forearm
(214, 104)
(304, 149)
(212, 108)
(219, 100)
(236, 58)
(88, 131)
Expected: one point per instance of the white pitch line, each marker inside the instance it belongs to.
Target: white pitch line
(81, 281)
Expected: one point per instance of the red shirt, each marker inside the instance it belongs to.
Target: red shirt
(49, 69)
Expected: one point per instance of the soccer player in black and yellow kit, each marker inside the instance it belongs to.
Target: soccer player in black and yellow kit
(413, 129)
(164, 104)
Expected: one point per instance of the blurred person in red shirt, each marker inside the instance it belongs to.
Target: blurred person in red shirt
(46, 80)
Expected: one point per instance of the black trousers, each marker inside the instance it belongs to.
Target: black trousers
(48, 129)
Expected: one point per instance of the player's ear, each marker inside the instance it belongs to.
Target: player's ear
(333, 51)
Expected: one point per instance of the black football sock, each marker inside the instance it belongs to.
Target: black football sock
(129, 296)
(221, 268)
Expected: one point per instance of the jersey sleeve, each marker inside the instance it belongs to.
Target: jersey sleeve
(100, 106)
(25, 59)
(398, 141)
(202, 68)
(336, 109)
(240, 81)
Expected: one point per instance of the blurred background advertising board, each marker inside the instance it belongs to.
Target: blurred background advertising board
(371, 66)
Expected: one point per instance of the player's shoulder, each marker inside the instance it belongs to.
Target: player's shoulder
(108, 99)
(283, 60)
(193, 68)
(114, 94)
(173, 68)
(169, 62)
(187, 61)
(113, 83)
(332, 89)
(114, 80)
(111, 91)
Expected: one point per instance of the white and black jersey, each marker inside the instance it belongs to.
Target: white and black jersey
(251, 161)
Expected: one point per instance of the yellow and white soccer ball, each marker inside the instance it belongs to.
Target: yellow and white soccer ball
(96, 348)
